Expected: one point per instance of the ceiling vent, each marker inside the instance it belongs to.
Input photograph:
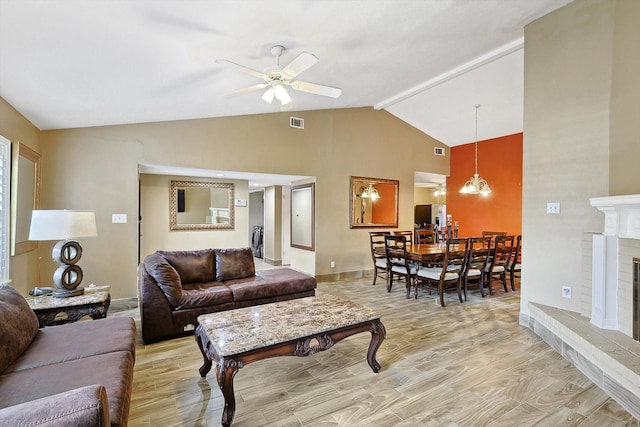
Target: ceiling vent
(296, 122)
(438, 151)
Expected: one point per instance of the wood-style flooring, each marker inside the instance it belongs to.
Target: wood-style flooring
(466, 364)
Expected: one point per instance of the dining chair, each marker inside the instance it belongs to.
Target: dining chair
(425, 235)
(447, 273)
(408, 234)
(513, 266)
(378, 254)
(398, 261)
(497, 265)
(477, 259)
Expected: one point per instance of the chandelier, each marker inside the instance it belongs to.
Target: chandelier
(369, 193)
(476, 184)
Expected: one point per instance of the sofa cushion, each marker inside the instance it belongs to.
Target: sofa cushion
(204, 294)
(192, 266)
(114, 371)
(270, 283)
(77, 340)
(165, 276)
(234, 263)
(18, 327)
(84, 406)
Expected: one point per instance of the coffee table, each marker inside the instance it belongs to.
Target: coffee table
(298, 327)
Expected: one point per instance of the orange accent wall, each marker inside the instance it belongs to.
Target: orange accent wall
(500, 163)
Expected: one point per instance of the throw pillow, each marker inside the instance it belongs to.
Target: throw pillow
(192, 266)
(234, 263)
(18, 327)
(165, 276)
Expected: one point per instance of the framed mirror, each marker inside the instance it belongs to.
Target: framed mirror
(25, 195)
(374, 202)
(196, 205)
(303, 216)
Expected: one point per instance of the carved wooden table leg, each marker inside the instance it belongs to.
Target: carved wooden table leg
(378, 333)
(206, 365)
(226, 369)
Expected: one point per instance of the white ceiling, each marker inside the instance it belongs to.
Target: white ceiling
(68, 63)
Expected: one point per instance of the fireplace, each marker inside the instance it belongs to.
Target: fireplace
(614, 255)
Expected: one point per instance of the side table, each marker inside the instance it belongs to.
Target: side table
(57, 311)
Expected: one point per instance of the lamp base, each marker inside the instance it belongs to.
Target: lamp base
(65, 293)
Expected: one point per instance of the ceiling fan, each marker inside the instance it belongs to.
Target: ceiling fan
(277, 78)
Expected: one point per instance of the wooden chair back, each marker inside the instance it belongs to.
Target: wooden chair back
(425, 235)
(406, 233)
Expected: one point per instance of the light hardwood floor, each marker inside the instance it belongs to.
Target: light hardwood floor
(466, 364)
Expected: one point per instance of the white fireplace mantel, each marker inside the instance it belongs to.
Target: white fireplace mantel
(621, 215)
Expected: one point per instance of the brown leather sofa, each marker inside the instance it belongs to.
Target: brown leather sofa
(178, 286)
(79, 374)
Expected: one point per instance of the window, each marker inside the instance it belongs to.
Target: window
(5, 156)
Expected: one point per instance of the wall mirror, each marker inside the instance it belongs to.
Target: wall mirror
(303, 217)
(374, 202)
(196, 205)
(25, 195)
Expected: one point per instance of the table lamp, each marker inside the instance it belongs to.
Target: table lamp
(64, 225)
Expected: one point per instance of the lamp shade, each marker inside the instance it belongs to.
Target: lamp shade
(62, 224)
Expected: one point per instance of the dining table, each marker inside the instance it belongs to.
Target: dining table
(423, 253)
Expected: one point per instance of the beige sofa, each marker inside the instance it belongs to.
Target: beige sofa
(79, 374)
(178, 286)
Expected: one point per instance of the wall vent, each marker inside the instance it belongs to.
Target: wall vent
(438, 151)
(296, 122)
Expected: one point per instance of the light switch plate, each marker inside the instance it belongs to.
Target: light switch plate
(118, 218)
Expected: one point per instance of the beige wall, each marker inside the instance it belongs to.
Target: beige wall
(572, 120)
(96, 168)
(154, 209)
(23, 269)
(625, 100)
(425, 196)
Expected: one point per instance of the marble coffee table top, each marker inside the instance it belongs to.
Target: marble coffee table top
(236, 331)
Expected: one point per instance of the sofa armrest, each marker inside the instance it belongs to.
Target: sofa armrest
(83, 406)
(155, 310)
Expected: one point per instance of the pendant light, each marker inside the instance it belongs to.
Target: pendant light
(476, 184)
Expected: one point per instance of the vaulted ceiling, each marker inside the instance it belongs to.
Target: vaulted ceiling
(67, 63)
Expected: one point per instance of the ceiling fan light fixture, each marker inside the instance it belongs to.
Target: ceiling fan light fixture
(268, 95)
(282, 94)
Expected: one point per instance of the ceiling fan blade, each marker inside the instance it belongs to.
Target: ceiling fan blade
(247, 90)
(329, 91)
(300, 64)
(242, 68)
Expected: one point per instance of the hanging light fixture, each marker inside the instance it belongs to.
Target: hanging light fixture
(369, 193)
(476, 184)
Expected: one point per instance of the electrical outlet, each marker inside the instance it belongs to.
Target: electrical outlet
(553, 208)
(333, 264)
(566, 292)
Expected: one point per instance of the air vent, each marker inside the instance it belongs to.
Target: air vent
(438, 151)
(296, 122)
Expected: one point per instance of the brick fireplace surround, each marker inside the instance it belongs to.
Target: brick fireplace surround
(599, 340)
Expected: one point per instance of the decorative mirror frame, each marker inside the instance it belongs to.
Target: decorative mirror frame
(173, 205)
(303, 197)
(359, 181)
(25, 197)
